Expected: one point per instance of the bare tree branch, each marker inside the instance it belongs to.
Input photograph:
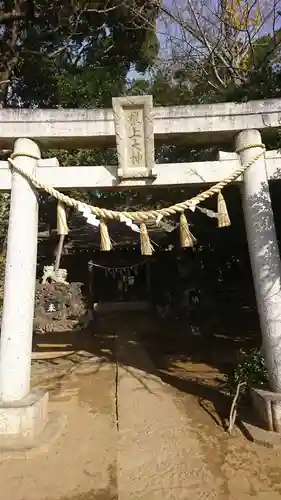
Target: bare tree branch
(225, 32)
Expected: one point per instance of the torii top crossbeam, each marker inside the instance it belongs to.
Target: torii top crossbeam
(207, 124)
(81, 128)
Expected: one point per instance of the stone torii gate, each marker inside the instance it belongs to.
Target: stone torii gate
(24, 415)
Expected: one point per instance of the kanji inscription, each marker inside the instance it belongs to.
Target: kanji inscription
(136, 146)
(134, 136)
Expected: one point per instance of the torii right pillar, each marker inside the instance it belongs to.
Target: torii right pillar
(266, 268)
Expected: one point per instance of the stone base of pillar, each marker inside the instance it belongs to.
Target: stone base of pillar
(27, 424)
(267, 406)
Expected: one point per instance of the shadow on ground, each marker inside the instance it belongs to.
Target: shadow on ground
(194, 364)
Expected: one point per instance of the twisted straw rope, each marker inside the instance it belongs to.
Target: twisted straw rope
(140, 216)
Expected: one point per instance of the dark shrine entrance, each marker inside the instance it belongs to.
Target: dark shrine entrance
(122, 276)
(125, 280)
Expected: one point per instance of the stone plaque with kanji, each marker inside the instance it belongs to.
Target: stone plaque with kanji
(133, 122)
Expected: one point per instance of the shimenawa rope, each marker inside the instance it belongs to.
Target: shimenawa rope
(143, 216)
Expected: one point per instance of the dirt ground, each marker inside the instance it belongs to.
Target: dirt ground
(130, 434)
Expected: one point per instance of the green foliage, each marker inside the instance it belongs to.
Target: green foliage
(265, 51)
(263, 84)
(43, 41)
(250, 369)
(165, 92)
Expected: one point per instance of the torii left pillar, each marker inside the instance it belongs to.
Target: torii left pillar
(23, 415)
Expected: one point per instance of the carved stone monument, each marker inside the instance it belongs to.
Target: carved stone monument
(133, 121)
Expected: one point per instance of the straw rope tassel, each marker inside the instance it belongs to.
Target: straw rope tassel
(62, 227)
(187, 239)
(223, 217)
(105, 242)
(146, 246)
